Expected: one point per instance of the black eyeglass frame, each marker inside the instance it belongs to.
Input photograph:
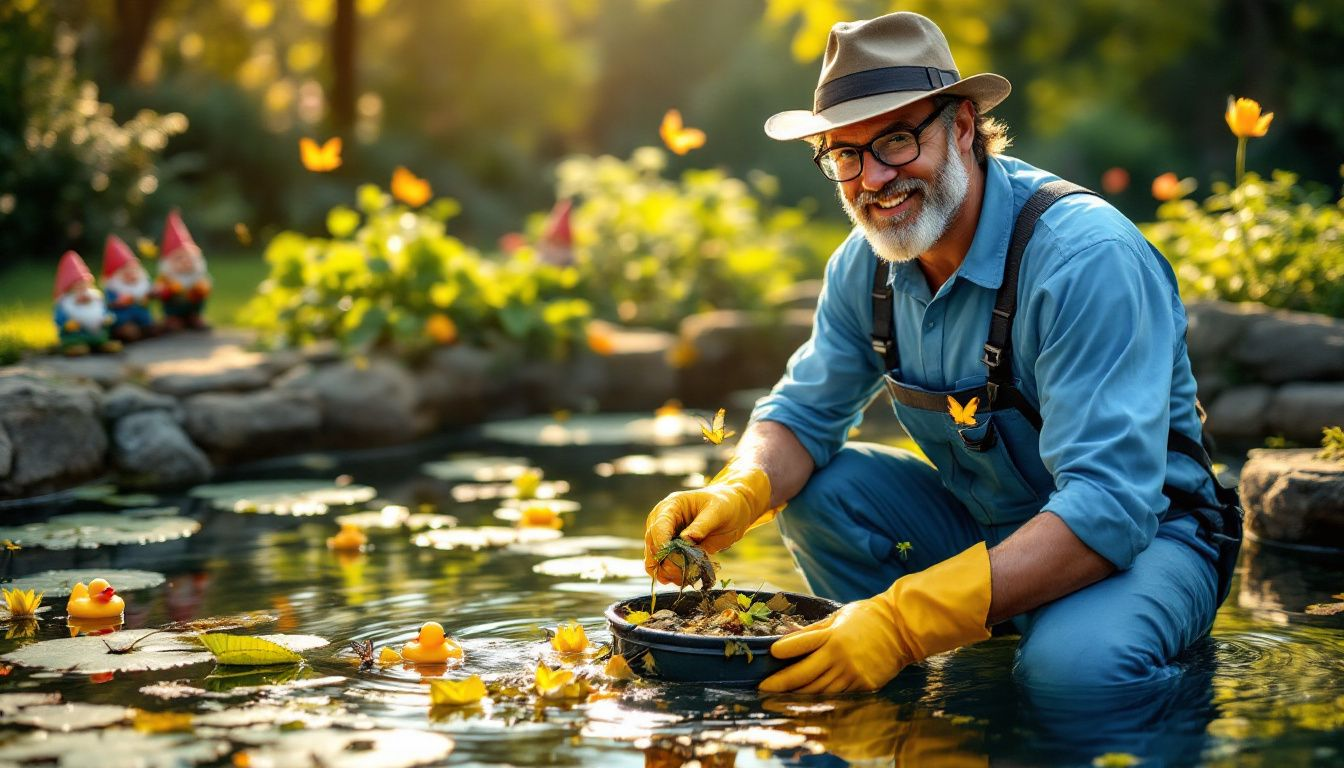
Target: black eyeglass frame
(870, 147)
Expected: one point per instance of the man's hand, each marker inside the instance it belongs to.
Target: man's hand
(713, 517)
(865, 644)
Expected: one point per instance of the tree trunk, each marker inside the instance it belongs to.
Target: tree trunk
(134, 20)
(343, 59)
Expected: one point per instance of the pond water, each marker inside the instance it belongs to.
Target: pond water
(1267, 688)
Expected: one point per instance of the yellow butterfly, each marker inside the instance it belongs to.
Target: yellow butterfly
(716, 434)
(963, 414)
(678, 137)
(409, 188)
(320, 159)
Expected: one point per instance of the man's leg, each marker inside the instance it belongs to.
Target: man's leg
(1128, 627)
(843, 527)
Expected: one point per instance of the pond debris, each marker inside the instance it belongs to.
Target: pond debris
(478, 469)
(90, 530)
(62, 583)
(284, 497)
(98, 600)
(456, 693)
(727, 614)
(431, 646)
(484, 537)
(694, 562)
(349, 539)
(617, 668)
(21, 604)
(162, 722)
(592, 567)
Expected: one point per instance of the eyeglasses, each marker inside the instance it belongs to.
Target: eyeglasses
(844, 162)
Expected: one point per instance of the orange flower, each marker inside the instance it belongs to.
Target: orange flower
(1166, 187)
(539, 516)
(409, 188)
(601, 340)
(320, 159)
(678, 137)
(1244, 118)
(441, 329)
(1114, 181)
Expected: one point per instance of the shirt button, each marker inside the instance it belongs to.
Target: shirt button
(929, 325)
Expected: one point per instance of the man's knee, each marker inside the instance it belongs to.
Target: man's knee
(1085, 660)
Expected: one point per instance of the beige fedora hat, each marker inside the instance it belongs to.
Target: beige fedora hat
(878, 65)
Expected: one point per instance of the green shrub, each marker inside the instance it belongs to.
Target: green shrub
(1270, 241)
(652, 250)
(391, 278)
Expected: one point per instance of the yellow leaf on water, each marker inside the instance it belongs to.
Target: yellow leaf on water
(1116, 760)
(162, 722)
(617, 667)
(243, 651)
(570, 638)
(456, 693)
(388, 656)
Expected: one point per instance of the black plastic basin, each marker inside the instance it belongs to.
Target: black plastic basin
(683, 658)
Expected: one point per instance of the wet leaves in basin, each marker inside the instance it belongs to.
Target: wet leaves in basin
(284, 497)
(60, 583)
(89, 530)
(477, 469)
(596, 429)
(592, 567)
(484, 537)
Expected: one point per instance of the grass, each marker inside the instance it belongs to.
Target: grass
(25, 298)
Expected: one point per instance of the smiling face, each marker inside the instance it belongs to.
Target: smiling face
(905, 211)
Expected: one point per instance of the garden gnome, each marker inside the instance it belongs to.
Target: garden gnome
(557, 238)
(183, 283)
(126, 287)
(82, 318)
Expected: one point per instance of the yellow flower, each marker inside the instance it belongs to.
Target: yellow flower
(1244, 118)
(559, 683)
(409, 188)
(349, 538)
(22, 603)
(441, 329)
(456, 693)
(570, 638)
(540, 516)
(600, 339)
(963, 414)
(526, 484)
(1166, 187)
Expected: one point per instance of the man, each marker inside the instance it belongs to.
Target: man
(183, 283)
(1059, 435)
(126, 285)
(81, 316)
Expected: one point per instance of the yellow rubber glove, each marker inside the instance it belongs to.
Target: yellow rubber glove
(713, 517)
(864, 644)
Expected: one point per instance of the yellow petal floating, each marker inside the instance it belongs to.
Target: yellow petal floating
(320, 158)
(570, 638)
(388, 656)
(552, 681)
(963, 414)
(618, 668)
(456, 693)
(540, 516)
(162, 722)
(409, 188)
(677, 136)
(22, 604)
(1244, 118)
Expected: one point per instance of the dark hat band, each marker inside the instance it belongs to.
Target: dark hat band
(884, 80)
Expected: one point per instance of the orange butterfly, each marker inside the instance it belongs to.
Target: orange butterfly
(320, 159)
(409, 188)
(677, 137)
(963, 414)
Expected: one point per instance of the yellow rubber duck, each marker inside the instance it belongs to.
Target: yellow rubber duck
(350, 538)
(431, 646)
(96, 601)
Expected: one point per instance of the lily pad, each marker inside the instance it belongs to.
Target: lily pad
(113, 748)
(484, 537)
(477, 469)
(513, 514)
(686, 461)
(333, 748)
(90, 655)
(71, 716)
(283, 497)
(394, 516)
(468, 492)
(263, 714)
(594, 567)
(90, 530)
(574, 546)
(596, 429)
(60, 583)
(235, 685)
(555, 505)
(13, 702)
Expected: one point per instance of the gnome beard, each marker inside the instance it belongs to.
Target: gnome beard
(130, 282)
(84, 306)
(185, 268)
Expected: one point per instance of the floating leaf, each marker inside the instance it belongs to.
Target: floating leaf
(574, 546)
(113, 747)
(162, 722)
(241, 650)
(72, 716)
(469, 492)
(283, 497)
(394, 516)
(618, 668)
(595, 429)
(344, 748)
(593, 567)
(61, 583)
(559, 683)
(388, 656)
(90, 655)
(674, 463)
(485, 537)
(479, 469)
(456, 693)
(89, 530)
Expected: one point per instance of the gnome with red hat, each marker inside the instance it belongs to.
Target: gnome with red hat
(557, 237)
(82, 318)
(183, 284)
(126, 286)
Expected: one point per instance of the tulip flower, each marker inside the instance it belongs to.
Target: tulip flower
(1244, 118)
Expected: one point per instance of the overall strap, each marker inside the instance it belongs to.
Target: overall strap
(884, 344)
(999, 347)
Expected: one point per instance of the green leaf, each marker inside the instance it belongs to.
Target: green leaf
(240, 650)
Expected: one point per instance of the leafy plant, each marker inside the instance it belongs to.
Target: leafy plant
(1332, 444)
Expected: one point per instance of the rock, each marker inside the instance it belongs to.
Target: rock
(455, 383)
(1300, 411)
(376, 403)
(242, 372)
(103, 370)
(1292, 497)
(1240, 412)
(55, 435)
(637, 372)
(1283, 582)
(728, 350)
(125, 399)
(6, 452)
(1214, 328)
(551, 385)
(151, 449)
(1282, 346)
(253, 424)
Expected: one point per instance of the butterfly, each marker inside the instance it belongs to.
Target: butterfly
(678, 137)
(409, 188)
(963, 414)
(716, 434)
(320, 159)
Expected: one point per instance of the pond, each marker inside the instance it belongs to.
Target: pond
(1267, 687)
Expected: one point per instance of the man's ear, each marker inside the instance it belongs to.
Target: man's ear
(967, 117)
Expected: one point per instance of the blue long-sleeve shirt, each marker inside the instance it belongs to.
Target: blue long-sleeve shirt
(1098, 347)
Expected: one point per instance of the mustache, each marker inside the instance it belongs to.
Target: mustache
(897, 186)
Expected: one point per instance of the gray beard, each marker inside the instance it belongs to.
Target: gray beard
(903, 238)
